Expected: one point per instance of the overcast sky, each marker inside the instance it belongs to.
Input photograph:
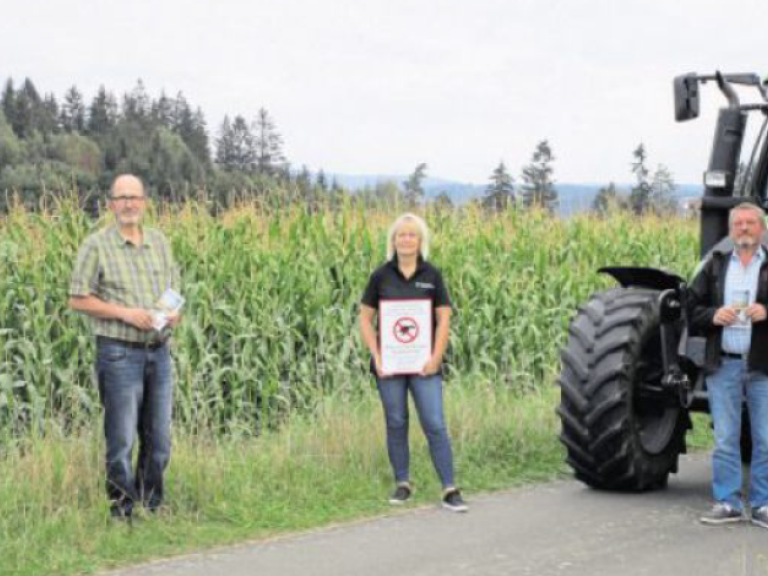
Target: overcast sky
(378, 86)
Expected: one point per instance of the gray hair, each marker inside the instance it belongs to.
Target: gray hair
(746, 207)
(126, 178)
(423, 233)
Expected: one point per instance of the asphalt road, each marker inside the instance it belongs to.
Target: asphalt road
(558, 528)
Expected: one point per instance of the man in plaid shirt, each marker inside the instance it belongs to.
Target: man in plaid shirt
(120, 274)
(728, 304)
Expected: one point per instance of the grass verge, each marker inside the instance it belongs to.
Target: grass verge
(328, 468)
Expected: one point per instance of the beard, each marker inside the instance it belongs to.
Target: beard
(129, 219)
(746, 242)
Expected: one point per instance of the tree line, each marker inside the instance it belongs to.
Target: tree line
(47, 144)
(651, 192)
(538, 188)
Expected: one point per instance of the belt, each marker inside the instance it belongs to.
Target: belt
(732, 355)
(101, 340)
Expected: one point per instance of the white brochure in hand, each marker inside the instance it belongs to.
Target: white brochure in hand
(170, 303)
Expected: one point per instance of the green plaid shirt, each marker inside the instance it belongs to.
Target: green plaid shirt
(117, 271)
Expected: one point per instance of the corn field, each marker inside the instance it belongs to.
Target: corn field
(270, 323)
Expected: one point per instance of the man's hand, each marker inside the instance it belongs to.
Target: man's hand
(725, 316)
(431, 367)
(174, 319)
(756, 313)
(138, 318)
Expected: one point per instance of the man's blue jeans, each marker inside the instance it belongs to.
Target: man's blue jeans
(136, 389)
(427, 392)
(731, 383)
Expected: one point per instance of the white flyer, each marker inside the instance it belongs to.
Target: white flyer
(405, 335)
(170, 302)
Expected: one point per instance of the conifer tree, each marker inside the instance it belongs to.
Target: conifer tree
(162, 112)
(27, 110)
(413, 190)
(609, 198)
(73, 111)
(500, 193)
(137, 105)
(102, 113)
(50, 115)
(197, 138)
(10, 146)
(8, 102)
(640, 195)
(268, 144)
(662, 186)
(235, 149)
(322, 181)
(538, 182)
(192, 129)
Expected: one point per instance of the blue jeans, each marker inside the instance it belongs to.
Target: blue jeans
(727, 387)
(136, 389)
(427, 392)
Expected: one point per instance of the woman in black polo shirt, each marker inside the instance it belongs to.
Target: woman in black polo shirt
(408, 276)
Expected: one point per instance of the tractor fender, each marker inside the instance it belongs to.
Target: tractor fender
(638, 277)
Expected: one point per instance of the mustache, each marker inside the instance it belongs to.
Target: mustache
(746, 242)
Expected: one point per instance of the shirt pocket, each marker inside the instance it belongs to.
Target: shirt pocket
(112, 285)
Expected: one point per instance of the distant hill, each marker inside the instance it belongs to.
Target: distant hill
(459, 192)
(574, 198)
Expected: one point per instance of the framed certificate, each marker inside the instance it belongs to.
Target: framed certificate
(405, 335)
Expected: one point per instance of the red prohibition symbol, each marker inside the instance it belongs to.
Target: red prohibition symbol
(406, 330)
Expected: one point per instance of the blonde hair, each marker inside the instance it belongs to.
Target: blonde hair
(423, 233)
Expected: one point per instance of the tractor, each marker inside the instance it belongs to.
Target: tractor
(631, 372)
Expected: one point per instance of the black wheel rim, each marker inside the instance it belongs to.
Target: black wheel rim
(655, 410)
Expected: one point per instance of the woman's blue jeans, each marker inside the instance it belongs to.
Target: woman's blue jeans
(727, 388)
(427, 392)
(136, 389)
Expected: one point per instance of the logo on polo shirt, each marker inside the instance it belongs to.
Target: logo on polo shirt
(425, 285)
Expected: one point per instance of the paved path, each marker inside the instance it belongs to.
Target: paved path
(561, 528)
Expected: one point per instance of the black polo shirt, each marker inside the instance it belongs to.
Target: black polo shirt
(388, 282)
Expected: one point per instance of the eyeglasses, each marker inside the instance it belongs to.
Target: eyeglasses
(126, 199)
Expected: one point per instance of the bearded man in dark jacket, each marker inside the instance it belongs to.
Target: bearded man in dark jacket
(728, 298)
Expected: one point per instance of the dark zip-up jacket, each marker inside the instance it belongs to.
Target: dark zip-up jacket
(706, 296)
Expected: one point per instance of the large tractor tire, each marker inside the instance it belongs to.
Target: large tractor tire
(622, 431)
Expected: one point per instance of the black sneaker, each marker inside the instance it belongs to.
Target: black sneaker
(121, 511)
(401, 495)
(453, 501)
(760, 516)
(722, 513)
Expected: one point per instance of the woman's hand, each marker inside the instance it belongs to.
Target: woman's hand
(432, 366)
(377, 364)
